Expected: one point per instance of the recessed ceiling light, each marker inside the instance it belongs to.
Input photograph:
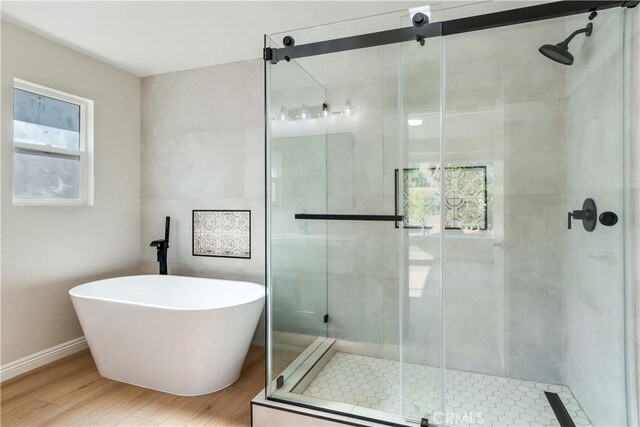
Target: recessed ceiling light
(414, 122)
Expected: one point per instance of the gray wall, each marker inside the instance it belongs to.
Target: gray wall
(595, 267)
(48, 250)
(503, 289)
(361, 157)
(632, 206)
(202, 148)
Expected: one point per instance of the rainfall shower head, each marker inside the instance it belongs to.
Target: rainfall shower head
(560, 52)
(557, 52)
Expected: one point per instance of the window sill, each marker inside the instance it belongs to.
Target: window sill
(479, 236)
(60, 203)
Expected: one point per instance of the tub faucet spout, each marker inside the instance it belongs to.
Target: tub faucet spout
(162, 246)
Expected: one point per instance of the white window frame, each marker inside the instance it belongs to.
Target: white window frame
(85, 154)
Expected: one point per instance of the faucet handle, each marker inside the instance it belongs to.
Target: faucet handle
(159, 243)
(588, 214)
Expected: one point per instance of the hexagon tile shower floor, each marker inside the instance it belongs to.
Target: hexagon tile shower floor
(371, 382)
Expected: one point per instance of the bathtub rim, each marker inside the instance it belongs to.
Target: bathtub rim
(164, 307)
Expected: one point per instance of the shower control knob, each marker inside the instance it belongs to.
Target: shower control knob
(588, 215)
(608, 218)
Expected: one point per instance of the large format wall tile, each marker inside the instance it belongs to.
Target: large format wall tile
(595, 271)
(203, 148)
(199, 100)
(187, 165)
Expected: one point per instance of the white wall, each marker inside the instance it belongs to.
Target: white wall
(48, 250)
(203, 148)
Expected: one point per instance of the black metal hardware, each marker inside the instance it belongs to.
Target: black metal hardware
(333, 217)
(526, 14)
(326, 318)
(455, 26)
(267, 54)
(608, 218)
(356, 42)
(424, 422)
(559, 52)
(162, 246)
(588, 215)
(396, 185)
(288, 41)
(419, 19)
(559, 409)
(279, 381)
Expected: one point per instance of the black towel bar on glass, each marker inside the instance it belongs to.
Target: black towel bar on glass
(332, 217)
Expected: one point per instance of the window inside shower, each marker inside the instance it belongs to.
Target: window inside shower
(480, 305)
(467, 200)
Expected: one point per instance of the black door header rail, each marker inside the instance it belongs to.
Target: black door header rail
(455, 26)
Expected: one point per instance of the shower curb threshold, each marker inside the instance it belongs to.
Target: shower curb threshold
(265, 411)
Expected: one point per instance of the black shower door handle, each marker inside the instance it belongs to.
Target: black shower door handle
(396, 186)
(338, 217)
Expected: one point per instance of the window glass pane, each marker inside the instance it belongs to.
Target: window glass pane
(38, 119)
(466, 201)
(46, 176)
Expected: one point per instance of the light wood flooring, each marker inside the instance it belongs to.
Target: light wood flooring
(70, 392)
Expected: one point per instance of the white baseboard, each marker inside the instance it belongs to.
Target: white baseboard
(35, 360)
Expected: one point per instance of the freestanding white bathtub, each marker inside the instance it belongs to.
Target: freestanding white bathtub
(180, 335)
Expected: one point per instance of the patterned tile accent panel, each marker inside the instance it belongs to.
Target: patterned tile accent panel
(222, 233)
(371, 382)
(465, 201)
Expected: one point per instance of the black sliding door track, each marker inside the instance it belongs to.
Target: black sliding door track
(455, 26)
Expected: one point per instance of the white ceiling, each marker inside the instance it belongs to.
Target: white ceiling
(153, 37)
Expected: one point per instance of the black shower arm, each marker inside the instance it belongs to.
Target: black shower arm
(586, 30)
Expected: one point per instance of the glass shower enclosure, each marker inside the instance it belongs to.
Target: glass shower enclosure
(445, 227)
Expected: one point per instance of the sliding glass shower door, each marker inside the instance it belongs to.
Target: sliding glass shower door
(513, 304)
(446, 234)
(297, 180)
(421, 185)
